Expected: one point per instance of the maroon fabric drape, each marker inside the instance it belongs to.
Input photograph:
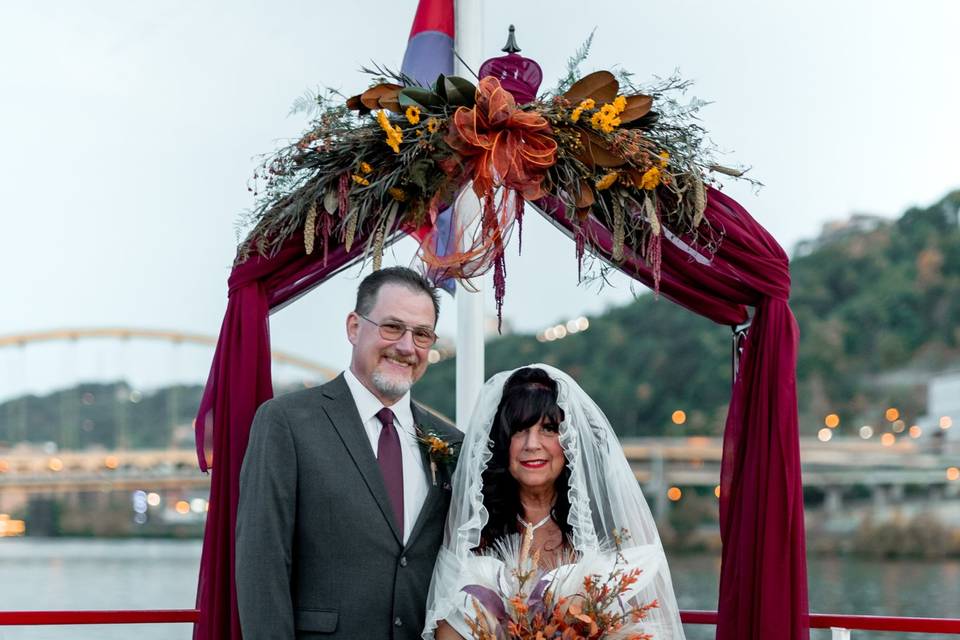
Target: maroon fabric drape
(763, 582)
(763, 588)
(239, 382)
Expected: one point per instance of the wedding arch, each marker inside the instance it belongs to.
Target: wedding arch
(618, 169)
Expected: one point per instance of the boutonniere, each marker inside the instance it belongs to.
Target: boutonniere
(439, 450)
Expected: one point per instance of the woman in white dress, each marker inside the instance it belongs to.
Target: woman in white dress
(540, 461)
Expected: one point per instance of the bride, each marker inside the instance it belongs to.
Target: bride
(540, 459)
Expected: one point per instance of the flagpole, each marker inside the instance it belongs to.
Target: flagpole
(468, 21)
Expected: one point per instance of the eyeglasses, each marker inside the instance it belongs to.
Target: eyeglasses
(393, 331)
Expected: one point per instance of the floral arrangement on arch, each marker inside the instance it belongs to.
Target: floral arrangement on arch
(395, 156)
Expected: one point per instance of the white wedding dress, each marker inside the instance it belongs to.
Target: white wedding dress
(604, 497)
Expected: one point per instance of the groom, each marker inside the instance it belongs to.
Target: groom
(341, 511)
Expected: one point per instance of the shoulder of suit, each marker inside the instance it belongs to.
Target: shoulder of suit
(438, 422)
(300, 398)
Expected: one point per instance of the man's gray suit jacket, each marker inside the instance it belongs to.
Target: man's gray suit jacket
(318, 552)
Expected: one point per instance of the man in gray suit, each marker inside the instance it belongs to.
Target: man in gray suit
(341, 510)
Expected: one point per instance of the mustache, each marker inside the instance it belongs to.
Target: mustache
(411, 360)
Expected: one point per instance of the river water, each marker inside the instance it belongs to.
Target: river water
(148, 574)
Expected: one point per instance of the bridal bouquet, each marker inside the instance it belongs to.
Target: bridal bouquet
(590, 596)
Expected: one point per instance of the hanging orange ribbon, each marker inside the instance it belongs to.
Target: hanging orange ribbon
(507, 146)
(502, 146)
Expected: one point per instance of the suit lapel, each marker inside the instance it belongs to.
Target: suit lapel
(342, 412)
(433, 490)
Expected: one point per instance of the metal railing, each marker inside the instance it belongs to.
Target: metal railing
(841, 625)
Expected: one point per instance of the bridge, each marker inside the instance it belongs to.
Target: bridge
(668, 468)
(658, 463)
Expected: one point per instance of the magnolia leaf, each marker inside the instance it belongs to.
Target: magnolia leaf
(596, 153)
(459, 92)
(354, 104)
(419, 97)
(637, 107)
(585, 198)
(602, 86)
(391, 102)
(439, 87)
(371, 97)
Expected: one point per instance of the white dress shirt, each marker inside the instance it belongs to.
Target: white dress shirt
(414, 475)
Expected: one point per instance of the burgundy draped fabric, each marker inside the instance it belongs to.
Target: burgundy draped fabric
(239, 382)
(763, 582)
(763, 588)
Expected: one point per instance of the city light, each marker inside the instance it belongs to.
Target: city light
(153, 499)
(832, 421)
(674, 493)
(563, 329)
(899, 426)
(946, 422)
(892, 414)
(953, 473)
(55, 464)
(433, 357)
(4, 466)
(111, 462)
(915, 431)
(139, 499)
(824, 435)
(888, 439)
(716, 491)
(10, 527)
(866, 432)
(679, 417)
(198, 505)
(182, 507)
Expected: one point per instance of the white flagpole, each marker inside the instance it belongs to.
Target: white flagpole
(468, 30)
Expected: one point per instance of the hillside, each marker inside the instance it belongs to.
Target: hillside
(878, 309)
(869, 303)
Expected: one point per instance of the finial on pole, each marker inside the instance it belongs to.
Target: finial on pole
(511, 46)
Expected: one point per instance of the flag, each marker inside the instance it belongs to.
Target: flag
(429, 54)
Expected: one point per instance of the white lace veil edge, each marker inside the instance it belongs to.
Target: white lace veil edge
(604, 496)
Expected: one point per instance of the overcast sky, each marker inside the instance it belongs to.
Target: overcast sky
(128, 132)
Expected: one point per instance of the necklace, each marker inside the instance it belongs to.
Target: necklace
(532, 527)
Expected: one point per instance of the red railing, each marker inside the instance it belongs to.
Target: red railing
(167, 616)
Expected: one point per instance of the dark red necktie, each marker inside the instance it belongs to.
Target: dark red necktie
(391, 463)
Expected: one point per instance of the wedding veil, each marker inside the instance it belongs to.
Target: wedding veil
(604, 496)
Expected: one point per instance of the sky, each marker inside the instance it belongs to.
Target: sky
(129, 131)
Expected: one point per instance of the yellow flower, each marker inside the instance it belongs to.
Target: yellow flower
(620, 103)
(360, 180)
(664, 159)
(365, 168)
(604, 122)
(589, 103)
(394, 134)
(576, 114)
(413, 114)
(609, 111)
(397, 194)
(650, 179)
(433, 125)
(606, 181)
(437, 445)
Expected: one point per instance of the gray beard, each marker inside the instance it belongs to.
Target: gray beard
(390, 387)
